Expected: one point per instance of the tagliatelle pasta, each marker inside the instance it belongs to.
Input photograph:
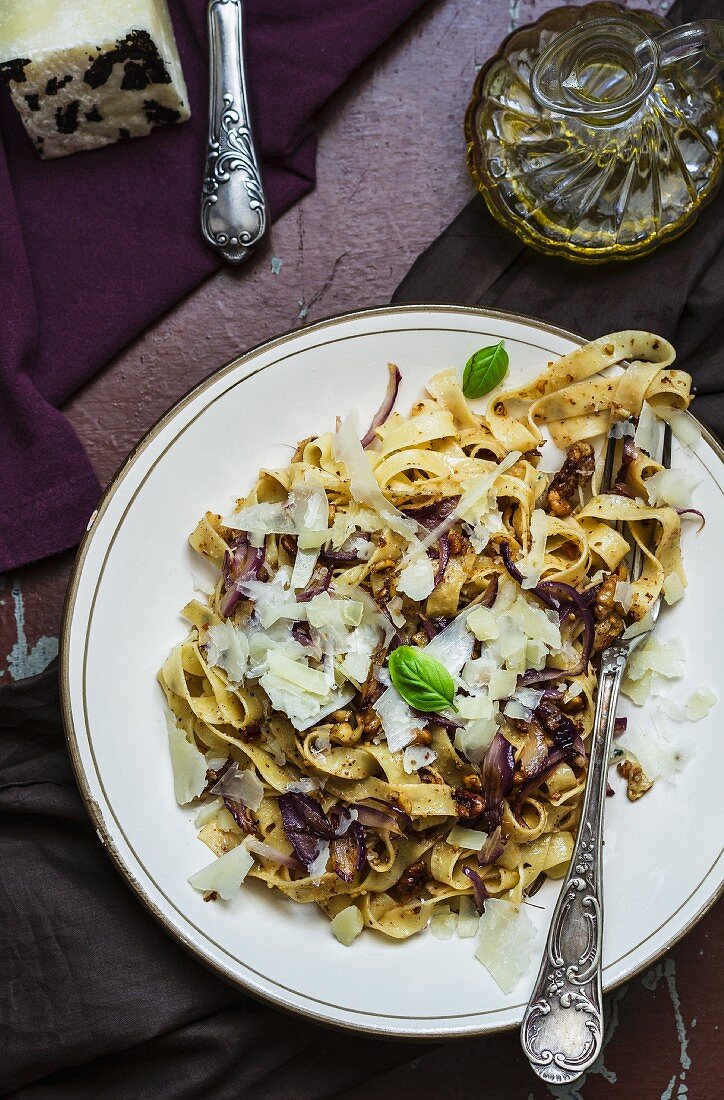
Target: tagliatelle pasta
(444, 535)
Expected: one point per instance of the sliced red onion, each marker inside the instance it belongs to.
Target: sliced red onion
(555, 757)
(319, 583)
(438, 719)
(491, 592)
(393, 385)
(242, 562)
(348, 852)
(609, 790)
(693, 512)
(240, 814)
(443, 557)
(579, 748)
(492, 849)
(305, 824)
(302, 634)
(480, 893)
(497, 778)
(345, 555)
(534, 751)
(428, 627)
(266, 851)
(431, 516)
(390, 818)
(619, 726)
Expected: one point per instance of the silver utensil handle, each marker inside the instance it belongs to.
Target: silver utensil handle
(562, 1029)
(233, 207)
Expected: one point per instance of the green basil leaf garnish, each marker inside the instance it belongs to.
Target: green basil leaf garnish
(422, 681)
(485, 369)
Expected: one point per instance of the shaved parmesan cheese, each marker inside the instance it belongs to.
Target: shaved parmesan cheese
(226, 874)
(417, 579)
(514, 709)
(394, 608)
(318, 866)
(505, 942)
(460, 837)
(417, 756)
(189, 765)
(360, 645)
(502, 683)
(242, 785)
(528, 697)
(347, 925)
(208, 812)
(471, 707)
(648, 433)
(310, 508)
(700, 703)
(473, 740)
(298, 673)
(655, 751)
(637, 691)
(302, 786)
(673, 487)
(400, 725)
(639, 627)
(483, 624)
(228, 648)
(453, 646)
(673, 589)
(274, 600)
(664, 658)
(467, 918)
(532, 566)
(684, 427)
(623, 594)
(363, 483)
(537, 624)
(443, 922)
(262, 519)
(303, 567)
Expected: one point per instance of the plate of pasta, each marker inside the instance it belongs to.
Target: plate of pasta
(329, 661)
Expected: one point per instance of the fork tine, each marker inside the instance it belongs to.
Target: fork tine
(607, 476)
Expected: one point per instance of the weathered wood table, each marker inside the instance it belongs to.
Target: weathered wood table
(391, 175)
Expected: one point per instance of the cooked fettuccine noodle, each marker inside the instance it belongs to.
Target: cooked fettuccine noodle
(442, 533)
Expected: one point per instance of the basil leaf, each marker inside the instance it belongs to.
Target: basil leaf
(422, 681)
(485, 369)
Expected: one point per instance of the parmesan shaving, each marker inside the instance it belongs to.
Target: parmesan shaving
(417, 578)
(460, 837)
(417, 756)
(347, 925)
(443, 923)
(225, 875)
(228, 648)
(505, 945)
(700, 703)
(673, 487)
(189, 765)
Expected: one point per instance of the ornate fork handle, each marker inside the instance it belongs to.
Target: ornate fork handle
(233, 206)
(562, 1030)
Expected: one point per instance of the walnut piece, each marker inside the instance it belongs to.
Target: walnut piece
(637, 782)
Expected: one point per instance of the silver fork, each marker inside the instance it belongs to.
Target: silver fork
(562, 1029)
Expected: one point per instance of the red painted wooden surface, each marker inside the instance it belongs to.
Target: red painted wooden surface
(391, 175)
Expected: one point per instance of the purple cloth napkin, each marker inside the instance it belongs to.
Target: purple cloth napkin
(96, 246)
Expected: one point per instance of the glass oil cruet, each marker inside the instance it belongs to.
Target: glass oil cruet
(597, 132)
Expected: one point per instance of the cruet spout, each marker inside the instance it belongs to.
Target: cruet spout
(602, 70)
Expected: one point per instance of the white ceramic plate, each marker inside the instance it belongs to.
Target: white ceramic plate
(122, 617)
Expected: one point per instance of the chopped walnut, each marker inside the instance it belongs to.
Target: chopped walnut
(422, 737)
(607, 631)
(370, 722)
(456, 541)
(420, 639)
(637, 781)
(411, 881)
(576, 470)
(342, 733)
(468, 804)
(288, 543)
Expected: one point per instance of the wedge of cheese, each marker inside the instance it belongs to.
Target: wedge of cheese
(84, 73)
